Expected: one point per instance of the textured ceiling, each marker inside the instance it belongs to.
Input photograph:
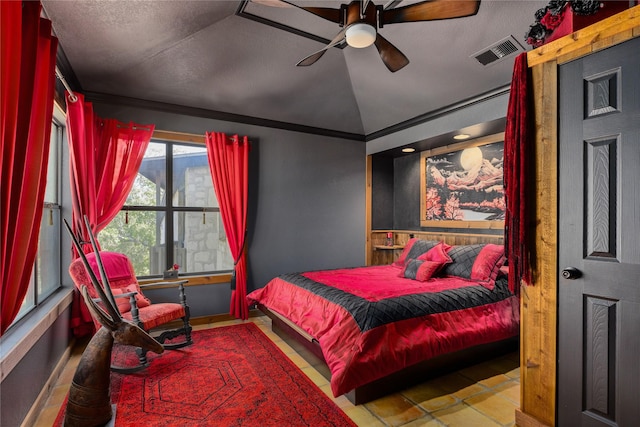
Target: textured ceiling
(202, 54)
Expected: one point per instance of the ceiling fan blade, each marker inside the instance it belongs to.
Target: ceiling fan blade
(333, 15)
(391, 55)
(311, 59)
(430, 11)
(272, 3)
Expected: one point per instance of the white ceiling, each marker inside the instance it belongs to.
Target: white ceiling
(201, 54)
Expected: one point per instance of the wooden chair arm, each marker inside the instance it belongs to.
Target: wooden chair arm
(126, 295)
(178, 283)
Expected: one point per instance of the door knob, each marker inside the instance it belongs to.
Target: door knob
(571, 273)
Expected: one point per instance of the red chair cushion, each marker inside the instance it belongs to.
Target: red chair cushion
(158, 314)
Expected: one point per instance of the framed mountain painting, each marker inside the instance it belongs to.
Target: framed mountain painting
(462, 184)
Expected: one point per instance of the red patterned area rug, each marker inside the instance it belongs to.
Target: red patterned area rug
(230, 376)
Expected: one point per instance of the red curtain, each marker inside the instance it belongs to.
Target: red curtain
(519, 164)
(229, 164)
(27, 89)
(104, 157)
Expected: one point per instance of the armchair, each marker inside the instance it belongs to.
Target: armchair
(155, 318)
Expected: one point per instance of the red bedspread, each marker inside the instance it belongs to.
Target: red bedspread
(370, 322)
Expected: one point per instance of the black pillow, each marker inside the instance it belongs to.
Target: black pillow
(411, 268)
(420, 247)
(463, 257)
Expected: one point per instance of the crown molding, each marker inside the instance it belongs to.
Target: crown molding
(432, 115)
(97, 97)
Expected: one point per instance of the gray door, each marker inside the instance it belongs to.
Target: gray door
(599, 236)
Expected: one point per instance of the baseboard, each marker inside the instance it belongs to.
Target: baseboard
(41, 400)
(525, 420)
(203, 320)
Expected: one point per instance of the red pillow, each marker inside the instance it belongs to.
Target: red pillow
(403, 256)
(421, 270)
(141, 300)
(488, 262)
(124, 305)
(438, 254)
(428, 269)
(504, 270)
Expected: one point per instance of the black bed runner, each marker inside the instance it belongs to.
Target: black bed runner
(369, 315)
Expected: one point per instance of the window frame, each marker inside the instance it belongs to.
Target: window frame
(170, 139)
(35, 297)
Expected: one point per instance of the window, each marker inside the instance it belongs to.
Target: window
(45, 277)
(171, 215)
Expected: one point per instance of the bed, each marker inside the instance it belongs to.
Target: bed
(380, 328)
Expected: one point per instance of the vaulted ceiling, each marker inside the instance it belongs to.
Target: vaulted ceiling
(239, 57)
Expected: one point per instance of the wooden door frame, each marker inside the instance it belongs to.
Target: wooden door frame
(538, 319)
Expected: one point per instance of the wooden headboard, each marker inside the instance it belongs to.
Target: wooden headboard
(381, 253)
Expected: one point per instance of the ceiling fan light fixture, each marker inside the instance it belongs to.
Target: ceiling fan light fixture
(360, 35)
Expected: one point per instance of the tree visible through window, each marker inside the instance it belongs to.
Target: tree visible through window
(157, 231)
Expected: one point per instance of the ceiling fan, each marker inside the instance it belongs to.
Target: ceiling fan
(361, 19)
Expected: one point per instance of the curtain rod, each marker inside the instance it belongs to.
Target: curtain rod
(72, 96)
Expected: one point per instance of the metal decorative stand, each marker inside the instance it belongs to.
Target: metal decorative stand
(89, 402)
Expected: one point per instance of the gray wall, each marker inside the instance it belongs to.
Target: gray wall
(382, 198)
(306, 198)
(199, 298)
(406, 192)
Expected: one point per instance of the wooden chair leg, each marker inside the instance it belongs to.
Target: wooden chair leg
(187, 328)
(167, 335)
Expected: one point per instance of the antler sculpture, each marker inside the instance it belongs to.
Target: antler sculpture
(89, 402)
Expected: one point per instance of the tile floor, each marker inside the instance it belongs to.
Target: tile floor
(483, 395)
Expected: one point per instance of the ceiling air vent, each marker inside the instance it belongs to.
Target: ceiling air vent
(498, 51)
